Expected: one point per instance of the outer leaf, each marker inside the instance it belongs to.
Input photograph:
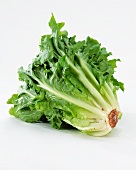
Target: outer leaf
(26, 114)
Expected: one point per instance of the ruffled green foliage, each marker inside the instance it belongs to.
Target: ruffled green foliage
(68, 82)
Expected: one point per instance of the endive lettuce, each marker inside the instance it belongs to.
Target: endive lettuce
(69, 84)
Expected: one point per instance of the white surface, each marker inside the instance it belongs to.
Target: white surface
(37, 146)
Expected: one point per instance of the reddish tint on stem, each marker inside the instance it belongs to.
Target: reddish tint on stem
(113, 118)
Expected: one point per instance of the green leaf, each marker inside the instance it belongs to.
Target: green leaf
(12, 99)
(52, 23)
(28, 115)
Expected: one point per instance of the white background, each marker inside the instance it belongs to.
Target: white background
(37, 146)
